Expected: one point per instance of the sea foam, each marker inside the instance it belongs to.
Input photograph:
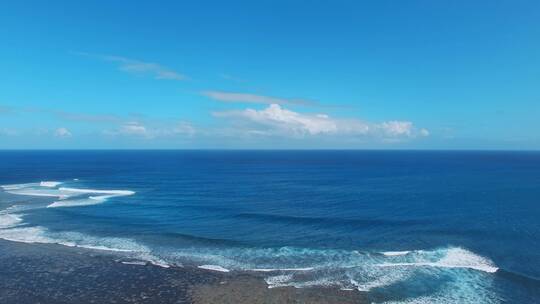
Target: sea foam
(214, 268)
(395, 253)
(285, 266)
(68, 197)
(453, 258)
(9, 220)
(12, 228)
(49, 184)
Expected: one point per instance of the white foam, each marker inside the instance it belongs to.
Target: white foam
(279, 280)
(9, 220)
(110, 192)
(104, 248)
(454, 258)
(69, 197)
(77, 202)
(47, 189)
(214, 268)
(140, 263)
(74, 239)
(29, 235)
(459, 257)
(379, 281)
(345, 269)
(37, 192)
(49, 184)
(322, 281)
(91, 200)
(159, 263)
(18, 186)
(281, 269)
(395, 253)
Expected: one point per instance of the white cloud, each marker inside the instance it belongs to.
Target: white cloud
(253, 98)
(136, 66)
(141, 67)
(137, 129)
(288, 121)
(62, 132)
(133, 128)
(275, 120)
(184, 128)
(396, 128)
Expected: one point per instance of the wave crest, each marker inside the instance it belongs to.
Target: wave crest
(68, 197)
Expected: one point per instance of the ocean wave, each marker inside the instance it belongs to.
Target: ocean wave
(327, 221)
(75, 202)
(139, 263)
(38, 234)
(39, 192)
(18, 186)
(453, 258)
(282, 280)
(364, 271)
(90, 200)
(213, 268)
(9, 220)
(394, 253)
(68, 197)
(281, 269)
(49, 184)
(13, 228)
(97, 191)
(284, 266)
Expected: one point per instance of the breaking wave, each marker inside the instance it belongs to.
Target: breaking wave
(283, 266)
(68, 197)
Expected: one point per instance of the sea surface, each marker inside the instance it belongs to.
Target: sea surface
(403, 226)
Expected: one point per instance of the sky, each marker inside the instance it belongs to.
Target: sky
(270, 75)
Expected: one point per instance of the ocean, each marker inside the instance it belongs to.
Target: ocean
(402, 226)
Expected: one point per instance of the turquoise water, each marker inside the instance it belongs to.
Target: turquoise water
(403, 226)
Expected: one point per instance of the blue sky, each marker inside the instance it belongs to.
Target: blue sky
(270, 74)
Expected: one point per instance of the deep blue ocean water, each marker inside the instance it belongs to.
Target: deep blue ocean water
(404, 226)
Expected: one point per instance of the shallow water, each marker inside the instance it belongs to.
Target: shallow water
(404, 226)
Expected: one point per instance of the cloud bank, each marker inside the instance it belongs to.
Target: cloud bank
(276, 120)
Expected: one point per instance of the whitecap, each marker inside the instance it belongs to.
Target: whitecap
(140, 263)
(278, 281)
(90, 191)
(29, 235)
(48, 189)
(281, 269)
(38, 192)
(395, 253)
(49, 184)
(78, 202)
(453, 258)
(18, 186)
(9, 220)
(214, 268)
(104, 248)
